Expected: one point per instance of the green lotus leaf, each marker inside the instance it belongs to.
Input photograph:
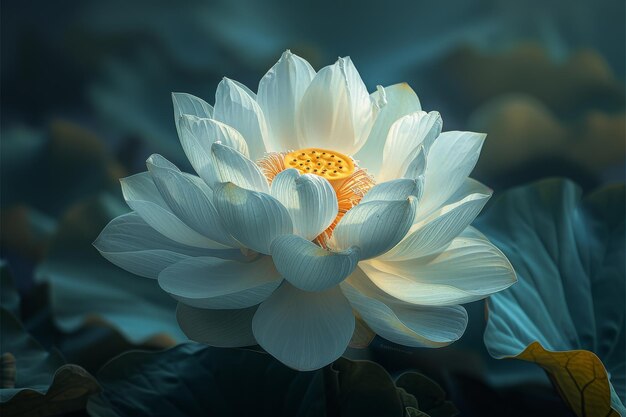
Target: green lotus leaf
(364, 388)
(195, 380)
(567, 311)
(36, 382)
(86, 288)
(32, 380)
(431, 398)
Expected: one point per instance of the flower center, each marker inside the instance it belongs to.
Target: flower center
(323, 162)
(348, 180)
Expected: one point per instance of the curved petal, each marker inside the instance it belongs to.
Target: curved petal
(236, 107)
(207, 282)
(208, 131)
(310, 267)
(402, 323)
(309, 199)
(450, 160)
(232, 166)
(130, 243)
(435, 232)
(142, 195)
(468, 270)
(221, 328)
(472, 233)
(374, 227)
(364, 108)
(254, 219)
(415, 164)
(245, 88)
(400, 100)
(336, 111)
(399, 189)
(190, 199)
(187, 104)
(280, 92)
(405, 135)
(469, 187)
(302, 329)
(196, 137)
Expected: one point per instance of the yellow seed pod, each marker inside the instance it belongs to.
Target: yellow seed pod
(329, 164)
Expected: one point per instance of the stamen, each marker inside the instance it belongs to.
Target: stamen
(272, 164)
(339, 166)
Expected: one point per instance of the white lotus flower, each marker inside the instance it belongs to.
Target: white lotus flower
(320, 214)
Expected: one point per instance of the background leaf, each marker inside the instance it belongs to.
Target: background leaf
(37, 382)
(85, 287)
(195, 380)
(569, 257)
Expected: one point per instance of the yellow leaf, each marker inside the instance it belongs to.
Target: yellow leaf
(579, 376)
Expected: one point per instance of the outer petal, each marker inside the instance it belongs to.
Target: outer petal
(221, 328)
(207, 282)
(399, 189)
(450, 160)
(208, 131)
(244, 88)
(468, 270)
(280, 92)
(309, 199)
(143, 196)
(190, 199)
(400, 100)
(405, 136)
(336, 111)
(435, 232)
(130, 243)
(254, 219)
(402, 323)
(231, 166)
(374, 227)
(196, 137)
(304, 330)
(187, 104)
(236, 107)
(310, 267)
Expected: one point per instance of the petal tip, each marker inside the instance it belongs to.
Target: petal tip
(217, 146)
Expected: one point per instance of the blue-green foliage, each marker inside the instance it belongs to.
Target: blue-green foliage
(84, 284)
(194, 380)
(34, 381)
(569, 255)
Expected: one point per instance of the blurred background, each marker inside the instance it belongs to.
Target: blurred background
(85, 99)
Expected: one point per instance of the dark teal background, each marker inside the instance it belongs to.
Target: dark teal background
(109, 67)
